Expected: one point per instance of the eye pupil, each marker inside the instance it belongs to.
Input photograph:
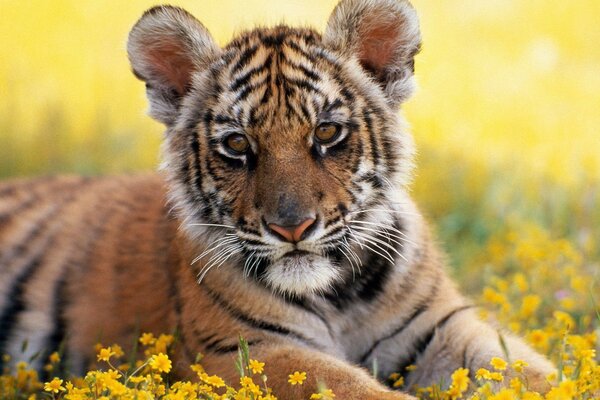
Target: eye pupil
(326, 133)
(237, 143)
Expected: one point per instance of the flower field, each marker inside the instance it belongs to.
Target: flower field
(506, 122)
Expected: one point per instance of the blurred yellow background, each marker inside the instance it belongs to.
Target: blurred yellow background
(506, 119)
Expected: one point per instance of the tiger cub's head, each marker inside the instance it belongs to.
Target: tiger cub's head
(288, 139)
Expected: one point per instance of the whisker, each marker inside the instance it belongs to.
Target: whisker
(247, 263)
(384, 210)
(218, 225)
(388, 235)
(221, 242)
(387, 255)
(254, 265)
(218, 261)
(341, 249)
(374, 251)
(356, 240)
(368, 237)
(352, 253)
(391, 228)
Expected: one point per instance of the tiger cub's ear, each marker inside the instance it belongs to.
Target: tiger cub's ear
(384, 35)
(165, 47)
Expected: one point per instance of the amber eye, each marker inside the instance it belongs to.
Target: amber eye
(327, 133)
(237, 143)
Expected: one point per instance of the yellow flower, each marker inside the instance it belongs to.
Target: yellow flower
(105, 354)
(325, 394)
(118, 350)
(498, 364)
(246, 381)
(530, 305)
(398, 382)
(519, 365)
(531, 396)
(504, 394)
(482, 373)
(54, 358)
(163, 342)
(297, 378)
(160, 363)
(256, 366)
(539, 339)
(147, 339)
(137, 379)
(460, 383)
(212, 380)
(54, 386)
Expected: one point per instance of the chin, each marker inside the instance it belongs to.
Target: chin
(301, 274)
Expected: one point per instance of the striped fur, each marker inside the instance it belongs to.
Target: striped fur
(84, 260)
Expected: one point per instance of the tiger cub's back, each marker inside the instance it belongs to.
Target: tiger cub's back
(67, 240)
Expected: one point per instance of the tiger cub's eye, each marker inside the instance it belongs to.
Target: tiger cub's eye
(237, 143)
(326, 133)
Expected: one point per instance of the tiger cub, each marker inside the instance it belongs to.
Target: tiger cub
(285, 170)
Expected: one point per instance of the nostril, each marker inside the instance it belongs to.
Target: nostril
(302, 230)
(293, 233)
(282, 231)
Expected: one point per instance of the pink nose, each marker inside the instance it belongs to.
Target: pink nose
(292, 233)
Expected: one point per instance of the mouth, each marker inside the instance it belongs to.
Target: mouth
(296, 253)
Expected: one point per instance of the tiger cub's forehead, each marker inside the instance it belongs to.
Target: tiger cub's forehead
(280, 78)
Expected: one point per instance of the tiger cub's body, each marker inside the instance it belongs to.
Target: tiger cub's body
(284, 192)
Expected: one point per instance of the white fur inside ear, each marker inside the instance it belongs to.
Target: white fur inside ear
(301, 275)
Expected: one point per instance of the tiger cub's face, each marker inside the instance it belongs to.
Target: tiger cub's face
(284, 136)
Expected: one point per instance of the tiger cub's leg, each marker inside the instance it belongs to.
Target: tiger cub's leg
(464, 341)
(346, 381)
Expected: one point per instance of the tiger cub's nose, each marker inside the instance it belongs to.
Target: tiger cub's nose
(293, 233)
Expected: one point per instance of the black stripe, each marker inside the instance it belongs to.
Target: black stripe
(372, 137)
(177, 308)
(303, 84)
(294, 46)
(306, 306)
(56, 338)
(363, 288)
(308, 74)
(244, 59)
(16, 302)
(244, 79)
(421, 307)
(249, 89)
(425, 340)
(253, 322)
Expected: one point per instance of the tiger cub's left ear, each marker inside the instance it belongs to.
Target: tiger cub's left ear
(166, 47)
(384, 35)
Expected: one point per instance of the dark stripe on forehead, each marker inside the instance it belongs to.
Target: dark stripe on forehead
(244, 59)
(308, 74)
(244, 79)
(249, 89)
(305, 85)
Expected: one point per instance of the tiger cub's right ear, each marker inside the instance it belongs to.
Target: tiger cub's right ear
(384, 36)
(165, 47)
